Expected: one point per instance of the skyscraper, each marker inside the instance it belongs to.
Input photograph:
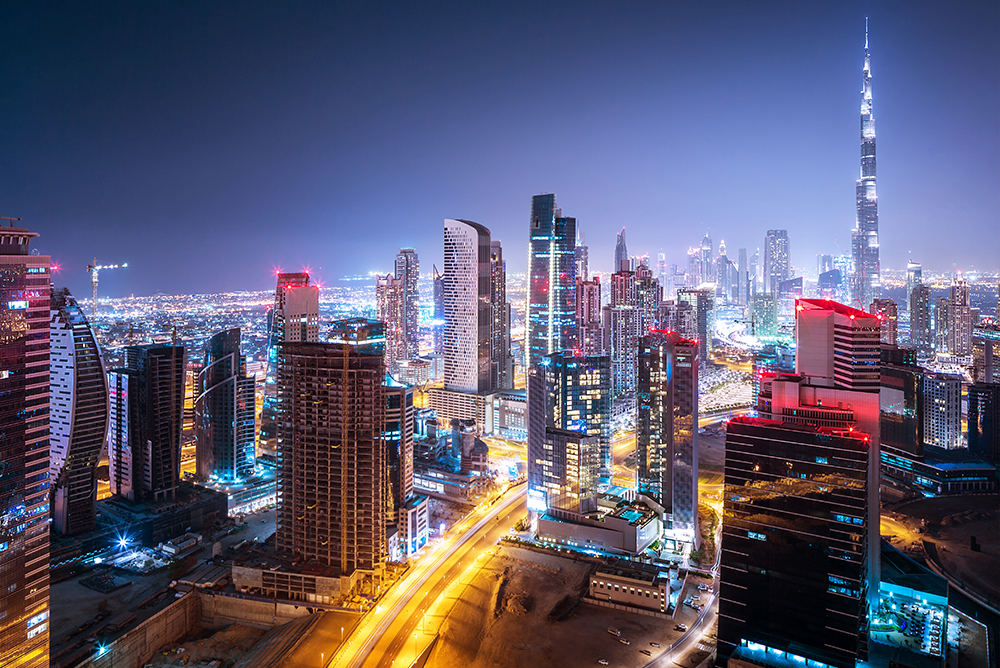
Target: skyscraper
(502, 363)
(24, 450)
(866, 281)
(824, 263)
(921, 335)
(959, 319)
(468, 311)
(777, 267)
(332, 472)
(913, 279)
(293, 317)
(390, 308)
(943, 410)
(408, 271)
(147, 414)
(707, 261)
(742, 268)
(796, 543)
(551, 280)
(78, 416)
(886, 311)
(588, 316)
(224, 411)
(702, 306)
(571, 393)
(941, 322)
(438, 311)
(582, 260)
(984, 420)
(666, 428)
(621, 253)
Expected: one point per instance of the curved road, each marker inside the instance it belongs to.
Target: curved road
(383, 627)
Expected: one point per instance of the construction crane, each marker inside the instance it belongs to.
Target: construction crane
(93, 269)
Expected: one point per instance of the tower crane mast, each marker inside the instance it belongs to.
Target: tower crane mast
(94, 269)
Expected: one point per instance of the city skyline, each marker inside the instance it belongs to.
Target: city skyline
(160, 168)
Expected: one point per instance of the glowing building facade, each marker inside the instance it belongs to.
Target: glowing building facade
(468, 312)
(408, 271)
(78, 418)
(866, 279)
(551, 280)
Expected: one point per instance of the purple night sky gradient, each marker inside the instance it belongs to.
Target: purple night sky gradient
(206, 143)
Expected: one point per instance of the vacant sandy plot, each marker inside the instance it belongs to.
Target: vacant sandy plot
(501, 619)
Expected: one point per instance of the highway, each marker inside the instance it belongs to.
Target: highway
(382, 635)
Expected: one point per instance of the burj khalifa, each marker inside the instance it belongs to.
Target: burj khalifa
(865, 282)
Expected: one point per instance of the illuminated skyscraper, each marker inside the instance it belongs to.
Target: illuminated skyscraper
(390, 308)
(501, 361)
(913, 279)
(621, 253)
(408, 271)
(943, 410)
(959, 319)
(582, 260)
(147, 412)
(332, 468)
(588, 316)
(438, 311)
(666, 429)
(866, 281)
(921, 334)
(224, 411)
(702, 308)
(777, 267)
(888, 316)
(796, 545)
(78, 417)
(570, 393)
(984, 420)
(25, 290)
(707, 262)
(294, 317)
(742, 269)
(468, 309)
(551, 280)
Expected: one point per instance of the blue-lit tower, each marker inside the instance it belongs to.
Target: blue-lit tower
(552, 280)
(866, 282)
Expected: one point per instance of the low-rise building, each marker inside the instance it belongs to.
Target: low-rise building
(506, 415)
(648, 589)
(629, 528)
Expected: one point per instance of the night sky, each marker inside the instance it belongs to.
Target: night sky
(207, 143)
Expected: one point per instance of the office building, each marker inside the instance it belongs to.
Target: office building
(571, 393)
(78, 415)
(913, 279)
(703, 308)
(582, 260)
(706, 261)
(885, 309)
(623, 327)
(943, 410)
(438, 323)
(332, 457)
(293, 317)
(501, 361)
(921, 336)
(588, 316)
(144, 432)
(408, 511)
(764, 315)
(224, 412)
(866, 279)
(667, 430)
(743, 276)
(408, 271)
(959, 319)
(852, 336)
(551, 316)
(941, 322)
(621, 253)
(901, 403)
(824, 263)
(984, 421)
(795, 545)
(390, 308)
(24, 451)
(468, 311)
(777, 263)
(830, 284)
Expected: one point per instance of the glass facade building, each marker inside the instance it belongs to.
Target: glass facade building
(224, 412)
(551, 280)
(408, 271)
(866, 281)
(666, 427)
(25, 291)
(468, 311)
(794, 572)
(78, 416)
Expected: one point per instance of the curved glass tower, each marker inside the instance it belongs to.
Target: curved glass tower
(865, 283)
(78, 417)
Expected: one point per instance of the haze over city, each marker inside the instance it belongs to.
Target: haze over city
(326, 135)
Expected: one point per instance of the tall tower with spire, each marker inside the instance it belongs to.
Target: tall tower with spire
(866, 283)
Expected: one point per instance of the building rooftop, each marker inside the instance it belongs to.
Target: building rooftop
(830, 305)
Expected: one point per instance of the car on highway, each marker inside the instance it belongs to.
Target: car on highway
(646, 652)
(603, 662)
(624, 641)
(681, 627)
(655, 644)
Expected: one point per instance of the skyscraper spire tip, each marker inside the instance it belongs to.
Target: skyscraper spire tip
(866, 32)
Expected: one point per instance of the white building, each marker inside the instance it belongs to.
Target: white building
(943, 410)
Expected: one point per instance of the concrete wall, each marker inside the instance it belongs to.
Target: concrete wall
(136, 647)
(219, 610)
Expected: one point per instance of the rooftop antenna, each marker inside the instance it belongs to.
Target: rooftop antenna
(866, 33)
(10, 219)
